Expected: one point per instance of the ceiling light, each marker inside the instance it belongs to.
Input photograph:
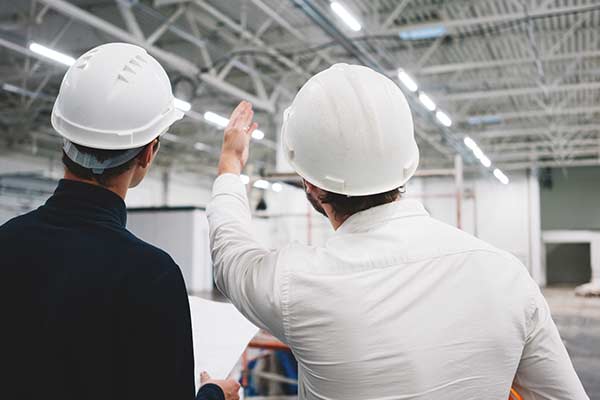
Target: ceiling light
(261, 184)
(51, 54)
(485, 161)
(484, 120)
(201, 146)
(426, 101)
(216, 119)
(478, 153)
(407, 81)
(501, 177)
(346, 16)
(182, 105)
(277, 187)
(245, 179)
(169, 136)
(258, 134)
(431, 32)
(470, 143)
(443, 118)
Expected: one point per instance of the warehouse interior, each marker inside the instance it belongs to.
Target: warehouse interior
(505, 96)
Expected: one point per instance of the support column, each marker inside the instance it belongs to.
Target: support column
(458, 181)
(537, 267)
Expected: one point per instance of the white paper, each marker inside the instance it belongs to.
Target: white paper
(220, 335)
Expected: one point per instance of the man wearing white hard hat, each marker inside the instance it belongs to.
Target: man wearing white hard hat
(94, 312)
(395, 305)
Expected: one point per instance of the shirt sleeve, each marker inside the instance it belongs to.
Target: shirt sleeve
(245, 272)
(210, 391)
(545, 370)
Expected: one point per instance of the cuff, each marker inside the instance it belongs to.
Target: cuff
(229, 183)
(210, 391)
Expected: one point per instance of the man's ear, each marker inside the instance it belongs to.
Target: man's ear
(146, 156)
(309, 187)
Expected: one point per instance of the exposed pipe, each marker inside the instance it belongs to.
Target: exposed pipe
(181, 64)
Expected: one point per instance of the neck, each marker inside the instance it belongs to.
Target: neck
(119, 185)
(334, 220)
(337, 222)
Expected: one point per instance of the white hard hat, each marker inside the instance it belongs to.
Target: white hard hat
(350, 131)
(116, 96)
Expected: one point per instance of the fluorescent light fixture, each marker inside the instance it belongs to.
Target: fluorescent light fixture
(426, 101)
(182, 105)
(262, 184)
(485, 161)
(443, 118)
(430, 32)
(484, 120)
(170, 136)
(258, 134)
(346, 16)
(51, 54)
(501, 177)
(12, 88)
(470, 143)
(216, 119)
(407, 81)
(477, 152)
(201, 146)
(277, 187)
(245, 179)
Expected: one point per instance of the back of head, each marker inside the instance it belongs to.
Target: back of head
(113, 101)
(350, 131)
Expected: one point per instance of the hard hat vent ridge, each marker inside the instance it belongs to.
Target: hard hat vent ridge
(85, 59)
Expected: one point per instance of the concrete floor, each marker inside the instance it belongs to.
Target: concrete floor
(578, 320)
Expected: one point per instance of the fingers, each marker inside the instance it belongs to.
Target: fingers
(240, 111)
(237, 111)
(204, 377)
(241, 117)
(252, 128)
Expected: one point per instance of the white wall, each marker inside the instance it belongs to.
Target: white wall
(183, 189)
(499, 214)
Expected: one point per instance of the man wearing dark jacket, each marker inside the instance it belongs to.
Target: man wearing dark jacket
(93, 312)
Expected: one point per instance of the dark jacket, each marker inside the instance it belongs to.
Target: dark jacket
(89, 310)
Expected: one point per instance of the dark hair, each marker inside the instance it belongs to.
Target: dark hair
(345, 206)
(102, 155)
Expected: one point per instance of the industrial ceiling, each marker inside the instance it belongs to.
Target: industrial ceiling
(520, 78)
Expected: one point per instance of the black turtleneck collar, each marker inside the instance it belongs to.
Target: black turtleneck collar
(90, 202)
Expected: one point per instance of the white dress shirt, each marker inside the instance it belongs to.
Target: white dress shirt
(396, 305)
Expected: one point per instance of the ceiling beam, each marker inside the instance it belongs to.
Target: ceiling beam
(580, 162)
(177, 62)
(535, 113)
(532, 145)
(533, 155)
(474, 65)
(490, 19)
(533, 131)
(523, 91)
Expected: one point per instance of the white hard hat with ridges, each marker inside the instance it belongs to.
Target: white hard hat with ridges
(116, 96)
(349, 130)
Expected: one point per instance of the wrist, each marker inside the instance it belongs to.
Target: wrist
(229, 164)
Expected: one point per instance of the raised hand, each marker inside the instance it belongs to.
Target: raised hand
(236, 141)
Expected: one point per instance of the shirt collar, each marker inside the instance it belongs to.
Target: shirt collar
(88, 201)
(364, 220)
